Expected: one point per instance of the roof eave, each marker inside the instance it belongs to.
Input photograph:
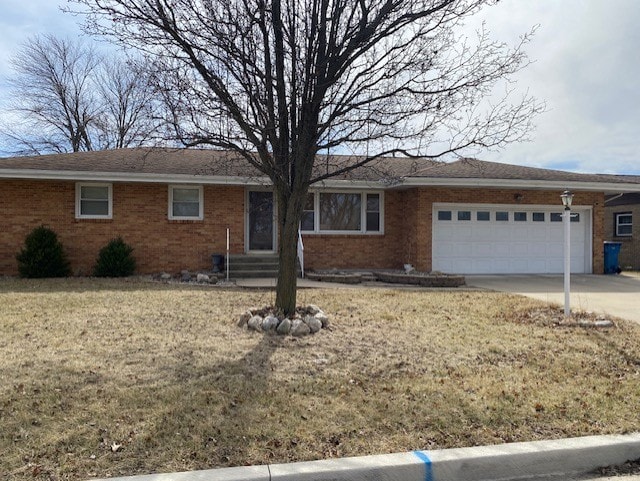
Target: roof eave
(606, 187)
(81, 176)
(407, 182)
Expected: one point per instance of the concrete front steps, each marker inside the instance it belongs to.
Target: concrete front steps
(245, 266)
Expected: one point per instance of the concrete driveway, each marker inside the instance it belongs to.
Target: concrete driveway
(616, 295)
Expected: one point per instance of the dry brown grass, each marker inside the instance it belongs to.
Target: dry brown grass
(164, 372)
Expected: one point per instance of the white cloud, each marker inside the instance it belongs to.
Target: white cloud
(585, 69)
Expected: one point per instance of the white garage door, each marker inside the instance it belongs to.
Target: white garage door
(508, 239)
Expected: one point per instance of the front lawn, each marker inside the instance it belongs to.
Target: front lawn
(109, 378)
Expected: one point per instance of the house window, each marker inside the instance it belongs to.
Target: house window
(308, 221)
(624, 224)
(185, 202)
(373, 212)
(340, 211)
(343, 212)
(94, 201)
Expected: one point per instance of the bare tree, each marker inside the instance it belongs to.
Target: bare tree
(129, 115)
(66, 97)
(52, 96)
(280, 81)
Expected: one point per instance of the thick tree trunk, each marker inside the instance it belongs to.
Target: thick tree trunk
(287, 275)
(289, 212)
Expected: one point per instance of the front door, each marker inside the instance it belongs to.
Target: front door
(260, 230)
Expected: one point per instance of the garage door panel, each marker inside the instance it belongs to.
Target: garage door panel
(519, 249)
(482, 249)
(492, 246)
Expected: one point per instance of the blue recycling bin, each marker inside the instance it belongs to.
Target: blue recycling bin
(611, 252)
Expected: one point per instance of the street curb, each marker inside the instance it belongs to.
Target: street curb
(498, 462)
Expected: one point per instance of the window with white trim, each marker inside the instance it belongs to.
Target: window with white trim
(308, 221)
(343, 212)
(94, 201)
(624, 224)
(185, 202)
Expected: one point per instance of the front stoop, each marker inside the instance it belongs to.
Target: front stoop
(253, 266)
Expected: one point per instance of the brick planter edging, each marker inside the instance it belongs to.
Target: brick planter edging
(339, 278)
(421, 279)
(424, 280)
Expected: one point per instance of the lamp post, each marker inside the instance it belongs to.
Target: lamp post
(567, 198)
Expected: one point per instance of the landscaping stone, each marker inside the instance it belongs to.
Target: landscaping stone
(313, 309)
(270, 323)
(244, 318)
(203, 278)
(255, 323)
(284, 328)
(165, 277)
(307, 320)
(323, 318)
(299, 328)
(185, 276)
(314, 323)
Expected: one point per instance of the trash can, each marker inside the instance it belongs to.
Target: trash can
(611, 251)
(217, 260)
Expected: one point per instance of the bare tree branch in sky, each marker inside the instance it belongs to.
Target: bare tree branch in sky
(66, 97)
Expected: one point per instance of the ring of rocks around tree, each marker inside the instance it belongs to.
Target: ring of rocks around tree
(306, 320)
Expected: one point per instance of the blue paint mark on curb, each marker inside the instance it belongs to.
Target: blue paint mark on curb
(428, 474)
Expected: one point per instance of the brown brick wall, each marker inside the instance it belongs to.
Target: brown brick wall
(140, 216)
(629, 257)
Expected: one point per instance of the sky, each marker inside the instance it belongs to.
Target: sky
(586, 66)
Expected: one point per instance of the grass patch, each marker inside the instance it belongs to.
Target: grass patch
(110, 378)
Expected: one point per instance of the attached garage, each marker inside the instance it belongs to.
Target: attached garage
(508, 239)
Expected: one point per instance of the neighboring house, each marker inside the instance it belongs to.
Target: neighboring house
(622, 224)
(175, 206)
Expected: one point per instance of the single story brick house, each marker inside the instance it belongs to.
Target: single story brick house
(622, 224)
(174, 207)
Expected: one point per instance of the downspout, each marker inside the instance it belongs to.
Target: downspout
(614, 197)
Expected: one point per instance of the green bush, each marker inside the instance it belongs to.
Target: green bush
(115, 260)
(42, 255)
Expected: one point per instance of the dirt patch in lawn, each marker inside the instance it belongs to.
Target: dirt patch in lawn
(109, 378)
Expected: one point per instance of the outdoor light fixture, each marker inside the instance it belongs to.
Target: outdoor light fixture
(567, 199)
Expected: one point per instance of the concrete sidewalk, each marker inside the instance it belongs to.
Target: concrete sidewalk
(615, 295)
